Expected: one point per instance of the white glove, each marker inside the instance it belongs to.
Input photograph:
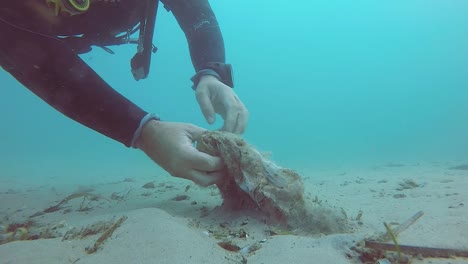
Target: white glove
(214, 97)
(171, 145)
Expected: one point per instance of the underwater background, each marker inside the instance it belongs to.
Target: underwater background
(327, 84)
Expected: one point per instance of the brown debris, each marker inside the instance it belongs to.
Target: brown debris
(423, 251)
(89, 230)
(106, 235)
(255, 183)
(56, 207)
(229, 246)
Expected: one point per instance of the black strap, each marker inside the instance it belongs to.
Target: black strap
(82, 44)
(141, 61)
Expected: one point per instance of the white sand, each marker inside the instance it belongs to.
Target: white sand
(160, 230)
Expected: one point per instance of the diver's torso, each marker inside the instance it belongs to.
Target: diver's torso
(103, 16)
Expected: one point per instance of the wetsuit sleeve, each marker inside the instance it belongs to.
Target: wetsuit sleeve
(51, 70)
(197, 20)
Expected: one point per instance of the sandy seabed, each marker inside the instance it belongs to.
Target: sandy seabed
(175, 221)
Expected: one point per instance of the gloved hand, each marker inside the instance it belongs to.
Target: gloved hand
(171, 146)
(213, 96)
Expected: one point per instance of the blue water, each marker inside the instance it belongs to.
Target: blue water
(327, 83)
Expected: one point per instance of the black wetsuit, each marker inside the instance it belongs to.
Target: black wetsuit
(51, 68)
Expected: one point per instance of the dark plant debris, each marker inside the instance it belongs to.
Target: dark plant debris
(106, 235)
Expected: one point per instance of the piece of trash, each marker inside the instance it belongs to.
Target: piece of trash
(383, 261)
(254, 182)
(229, 246)
(250, 248)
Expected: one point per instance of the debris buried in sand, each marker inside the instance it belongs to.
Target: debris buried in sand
(254, 182)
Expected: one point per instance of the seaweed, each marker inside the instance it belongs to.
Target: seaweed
(68, 198)
(13, 227)
(393, 236)
(16, 231)
(89, 230)
(84, 206)
(105, 236)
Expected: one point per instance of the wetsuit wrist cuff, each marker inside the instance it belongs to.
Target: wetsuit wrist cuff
(143, 122)
(196, 78)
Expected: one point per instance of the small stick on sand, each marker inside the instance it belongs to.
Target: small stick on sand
(402, 227)
(407, 224)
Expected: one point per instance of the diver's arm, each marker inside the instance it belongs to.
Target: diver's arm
(205, 40)
(201, 29)
(52, 71)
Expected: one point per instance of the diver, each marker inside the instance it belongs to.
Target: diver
(40, 43)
